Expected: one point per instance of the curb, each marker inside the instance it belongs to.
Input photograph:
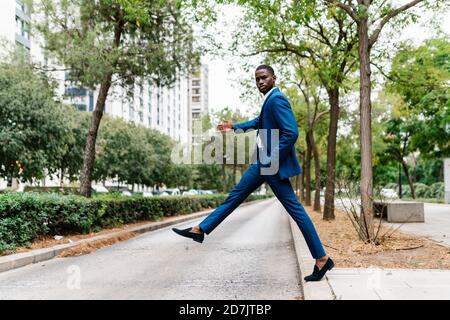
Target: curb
(320, 290)
(18, 260)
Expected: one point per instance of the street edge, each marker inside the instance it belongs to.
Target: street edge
(19, 260)
(320, 290)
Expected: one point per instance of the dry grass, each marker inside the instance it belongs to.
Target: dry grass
(87, 248)
(49, 241)
(399, 250)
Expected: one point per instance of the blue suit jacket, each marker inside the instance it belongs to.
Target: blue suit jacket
(276, 113)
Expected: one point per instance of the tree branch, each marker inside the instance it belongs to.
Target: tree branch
(276, 50)
(320, 115)
(374, 37)
(344, 7)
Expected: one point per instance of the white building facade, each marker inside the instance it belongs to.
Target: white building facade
(166, 109)
(199, 91)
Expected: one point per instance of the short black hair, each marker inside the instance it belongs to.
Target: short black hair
(266, 67)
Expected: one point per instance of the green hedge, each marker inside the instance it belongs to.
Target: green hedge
(25, 216)
(436, 190)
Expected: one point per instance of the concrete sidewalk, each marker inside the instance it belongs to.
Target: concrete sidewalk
(390, 284)
(373, 283)
(436, 226)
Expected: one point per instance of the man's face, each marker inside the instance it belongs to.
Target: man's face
(265, 80)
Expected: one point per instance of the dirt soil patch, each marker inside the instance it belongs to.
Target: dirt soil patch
(87, 248)
(396, 250)
(49, 241)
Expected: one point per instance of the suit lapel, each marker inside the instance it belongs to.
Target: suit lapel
(264, 104)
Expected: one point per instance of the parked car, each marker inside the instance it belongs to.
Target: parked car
(160, 193)
(389, 193)
(146, 194)
(173, 192)
(191, 192)
(126, 193)
(99, 189)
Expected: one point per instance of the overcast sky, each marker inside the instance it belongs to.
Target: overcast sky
(224, 87)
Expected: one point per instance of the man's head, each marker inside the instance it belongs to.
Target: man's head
(265, 78)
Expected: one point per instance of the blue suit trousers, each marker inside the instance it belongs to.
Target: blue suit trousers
(250, 181)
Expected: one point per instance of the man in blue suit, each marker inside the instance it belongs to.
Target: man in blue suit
(276, 162)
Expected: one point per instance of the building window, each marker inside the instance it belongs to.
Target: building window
(22, 28)
(91, 101)
(20, 6)
(196, 83)
(196, 99)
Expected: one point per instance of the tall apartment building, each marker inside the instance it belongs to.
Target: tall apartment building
(15, 24)
(199, 91)
(165, 109)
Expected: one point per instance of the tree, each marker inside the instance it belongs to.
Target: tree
(398, 139)
(31, 122)
(420, 77)
(133, 154)
(365, 13)
(116, 41)
(311, 98)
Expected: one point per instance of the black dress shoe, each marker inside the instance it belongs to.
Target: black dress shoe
(189, 234)
(317, 274)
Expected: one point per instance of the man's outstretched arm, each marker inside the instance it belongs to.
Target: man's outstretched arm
(244, 126)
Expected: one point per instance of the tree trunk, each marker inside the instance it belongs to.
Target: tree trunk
(366, 217)
(302, 179)
(400, 191)
(414, 176)
(97, 114)
(61, 179)
(315, 151)
(408, 176)
(224, 177)
(307, 173)
(89, 153)
(328, 209)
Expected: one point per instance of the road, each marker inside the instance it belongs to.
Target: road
(249, 256)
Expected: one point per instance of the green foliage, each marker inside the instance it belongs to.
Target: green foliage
(75, 129)
(436, 191)
(126, 38)
(136, 155)
(420, 76)
(31, 138)
(421, 190)
(25, 216)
